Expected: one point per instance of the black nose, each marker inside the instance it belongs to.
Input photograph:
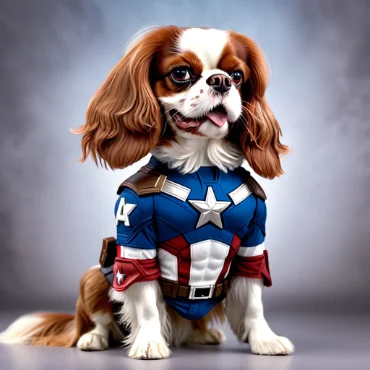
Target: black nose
(220, 83)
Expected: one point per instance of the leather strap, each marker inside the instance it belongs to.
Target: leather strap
(149, 181)
(145, 181)
(108, 252)
(174, 290)
(255, 187)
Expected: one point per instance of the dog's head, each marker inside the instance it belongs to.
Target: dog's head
(185, 83)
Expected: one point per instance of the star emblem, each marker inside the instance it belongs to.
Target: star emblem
(120, 277)
(123, 211)
(210, 209)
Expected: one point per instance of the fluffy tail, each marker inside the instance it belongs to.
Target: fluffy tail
(63, 330)
(48, 329)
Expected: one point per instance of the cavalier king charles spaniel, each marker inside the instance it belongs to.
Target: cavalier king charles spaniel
(195, 99)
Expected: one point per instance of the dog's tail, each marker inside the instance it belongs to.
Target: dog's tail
(63, 330)
(48, 329)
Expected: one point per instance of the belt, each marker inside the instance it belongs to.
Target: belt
(173, 289)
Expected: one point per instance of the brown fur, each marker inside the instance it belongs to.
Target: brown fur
(124, 121)
(258, 132)
(64, 330)
(216, 315)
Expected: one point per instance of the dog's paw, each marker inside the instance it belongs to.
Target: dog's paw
(92, 342)
(270, 345)
(149, 350)
(211, 336)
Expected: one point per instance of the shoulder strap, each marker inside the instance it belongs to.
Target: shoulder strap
(145, 181)
(255, 187)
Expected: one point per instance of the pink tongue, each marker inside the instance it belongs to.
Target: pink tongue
(218, 118)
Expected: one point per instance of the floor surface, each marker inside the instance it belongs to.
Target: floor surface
(322, 342)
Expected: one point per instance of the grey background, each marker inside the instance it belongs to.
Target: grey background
(55, 211)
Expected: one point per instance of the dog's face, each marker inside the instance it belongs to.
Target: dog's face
(199, 86)
(184, 82)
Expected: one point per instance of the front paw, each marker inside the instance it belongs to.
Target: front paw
(92, 342)
(148, 350)
(149, 345)
(269, 344)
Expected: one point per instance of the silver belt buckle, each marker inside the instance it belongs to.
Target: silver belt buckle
(201, 292)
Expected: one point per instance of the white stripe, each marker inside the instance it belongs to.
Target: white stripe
(195, 39)
(240, 193)
(137, 253)
(251, 251)
(167, 265)
(176, 190)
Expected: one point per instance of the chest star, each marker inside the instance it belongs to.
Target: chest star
(210, 209)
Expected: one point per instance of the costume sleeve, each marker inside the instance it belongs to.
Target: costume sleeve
(252, 258)
(136, 241)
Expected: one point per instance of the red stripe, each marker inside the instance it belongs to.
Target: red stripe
(235, 243)
(118, 251)
(179, 247)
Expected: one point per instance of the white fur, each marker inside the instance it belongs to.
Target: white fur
(144, 310)
(193, 103)
(187, 155)
(195, 39)
(96, 339)
(192, 151)
(244, 310)
(22, 330)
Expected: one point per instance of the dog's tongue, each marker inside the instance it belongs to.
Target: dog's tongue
(218, 118)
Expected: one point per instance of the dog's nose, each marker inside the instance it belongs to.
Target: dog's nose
(220, 83)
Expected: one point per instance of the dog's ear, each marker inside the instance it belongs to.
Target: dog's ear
(123, 119)
(258, 130)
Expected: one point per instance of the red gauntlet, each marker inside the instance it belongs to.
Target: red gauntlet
(254, 267)
(128, 271)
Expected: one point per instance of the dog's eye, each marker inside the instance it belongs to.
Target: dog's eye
(237, 77)
(181, 74)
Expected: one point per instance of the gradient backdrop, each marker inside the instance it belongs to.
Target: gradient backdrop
(55, 211)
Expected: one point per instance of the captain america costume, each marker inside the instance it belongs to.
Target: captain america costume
(193, 232)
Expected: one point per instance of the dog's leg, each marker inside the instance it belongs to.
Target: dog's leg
(143, 309)
(94, 296)
(244, 310)
(98, 338)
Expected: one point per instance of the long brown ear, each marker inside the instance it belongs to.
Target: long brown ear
(258, 130)
(123, 119)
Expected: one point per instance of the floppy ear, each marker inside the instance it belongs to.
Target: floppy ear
(258, 130)
(123, 119)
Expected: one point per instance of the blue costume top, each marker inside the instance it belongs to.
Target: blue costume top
(200, 227)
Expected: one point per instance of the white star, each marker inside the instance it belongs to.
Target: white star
(210, 209)
(120, 277)
(123, 211)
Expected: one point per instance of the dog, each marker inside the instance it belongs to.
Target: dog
(191, 223)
